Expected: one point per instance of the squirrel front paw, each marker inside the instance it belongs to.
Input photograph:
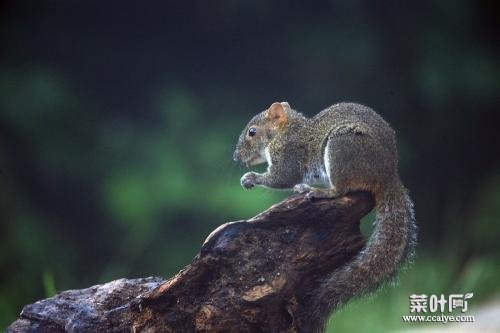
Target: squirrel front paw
(249, 180)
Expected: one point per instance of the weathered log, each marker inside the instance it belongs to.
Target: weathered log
(249, 276)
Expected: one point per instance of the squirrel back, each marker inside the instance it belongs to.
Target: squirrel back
(347, 147)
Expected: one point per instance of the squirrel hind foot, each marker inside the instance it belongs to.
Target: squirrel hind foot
(313, 193)
(301, 188)
(322, 193)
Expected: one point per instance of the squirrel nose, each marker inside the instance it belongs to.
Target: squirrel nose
(236, 155)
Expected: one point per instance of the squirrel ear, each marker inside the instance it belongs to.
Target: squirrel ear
(276, 113)
(285, 105)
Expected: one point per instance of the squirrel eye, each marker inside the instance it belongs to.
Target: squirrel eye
(252, 131)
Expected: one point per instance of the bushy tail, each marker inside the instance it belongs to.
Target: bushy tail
(390, 246)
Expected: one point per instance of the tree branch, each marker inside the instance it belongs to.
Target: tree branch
(249, 276)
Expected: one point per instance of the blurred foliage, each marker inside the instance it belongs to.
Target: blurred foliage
(429, 275)
(117, 131)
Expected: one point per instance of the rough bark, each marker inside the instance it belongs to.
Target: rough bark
(249, 276)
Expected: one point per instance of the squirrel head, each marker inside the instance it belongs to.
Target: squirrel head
(260, 131)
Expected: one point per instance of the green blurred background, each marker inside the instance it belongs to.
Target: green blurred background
(118, 121)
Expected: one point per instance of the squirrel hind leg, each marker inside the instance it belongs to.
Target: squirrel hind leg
(358, 162)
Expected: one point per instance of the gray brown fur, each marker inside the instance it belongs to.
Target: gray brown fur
(346, 147)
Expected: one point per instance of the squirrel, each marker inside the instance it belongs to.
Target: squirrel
(344, 148)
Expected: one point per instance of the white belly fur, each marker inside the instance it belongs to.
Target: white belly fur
(326, 161)
(320, 173)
